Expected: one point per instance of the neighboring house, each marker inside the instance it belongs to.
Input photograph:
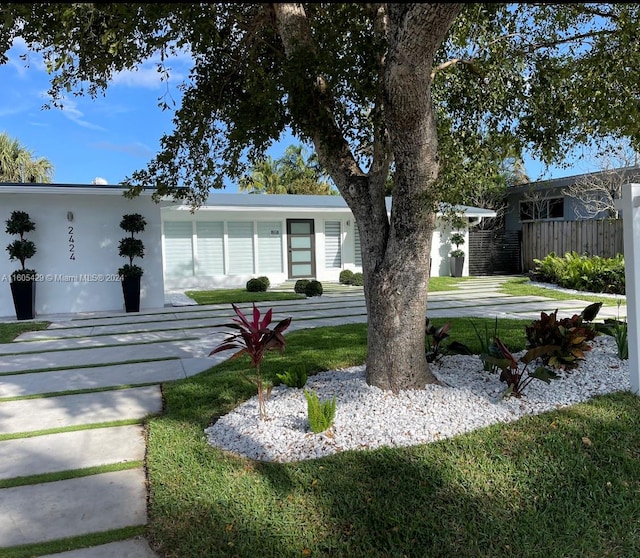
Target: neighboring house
(548, 200)
(232, 238)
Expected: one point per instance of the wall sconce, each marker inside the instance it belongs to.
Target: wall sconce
(70, 216)
(348, 223)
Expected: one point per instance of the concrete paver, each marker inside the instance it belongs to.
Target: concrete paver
(67, 451)
(30, 415)
(134, 548)
(68, 508)
(95, 377)
(87, 342)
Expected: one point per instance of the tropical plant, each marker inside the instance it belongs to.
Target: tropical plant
(254, 338)
(18, 164)
(569, 336)
(321, 414)
(512, 373)
(618, 329)
(294, 377)
(485, 341)
(437, 335)
(21, 249)
(264, 178)
(131, 247)
(620, 334)
(582, 272)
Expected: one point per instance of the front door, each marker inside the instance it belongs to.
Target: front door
(301, 247)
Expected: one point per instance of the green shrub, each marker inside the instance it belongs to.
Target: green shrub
(582, 272)
(294, 378)
(358, 279)
(255, 285)
(313, 288)
(301, 286)
(319, 413)
(346, 277)
(512, 373)
(569, 337)
(618, 329)
(265, 281)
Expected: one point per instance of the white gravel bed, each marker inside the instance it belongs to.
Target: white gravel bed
(368, 418)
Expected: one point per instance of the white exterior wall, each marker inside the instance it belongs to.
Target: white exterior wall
(441, 247)
(89, 282)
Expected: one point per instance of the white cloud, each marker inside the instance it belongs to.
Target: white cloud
(32, 60)
(69, 109)
(151, 73)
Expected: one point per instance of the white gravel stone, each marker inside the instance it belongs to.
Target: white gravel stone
(368, 418)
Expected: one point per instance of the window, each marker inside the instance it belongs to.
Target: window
(240, 238)
(332, 244)
(358, 248)
(270, 247)
(210, 245)
(536, 210)
(178, 251)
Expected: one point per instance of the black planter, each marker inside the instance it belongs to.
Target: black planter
(455, 265)
(131, 292)
(24, 299)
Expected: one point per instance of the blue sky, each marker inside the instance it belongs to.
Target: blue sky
(112, 136)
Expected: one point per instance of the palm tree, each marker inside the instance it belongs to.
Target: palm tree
(265, 178)
(18, 164)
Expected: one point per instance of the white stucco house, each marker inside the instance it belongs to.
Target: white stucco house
(232, 238)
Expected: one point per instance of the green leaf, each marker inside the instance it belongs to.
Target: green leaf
(590, 312)
(544, 374)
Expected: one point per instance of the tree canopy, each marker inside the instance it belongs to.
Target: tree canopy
(440, 93)
(18, 163)
(537, 76)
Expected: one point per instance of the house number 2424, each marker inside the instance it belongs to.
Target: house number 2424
(72, 244)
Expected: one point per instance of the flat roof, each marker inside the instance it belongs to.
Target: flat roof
(217, 200)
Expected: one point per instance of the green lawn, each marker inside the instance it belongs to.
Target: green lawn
(521, 286)
(516, 286)
(10, 330)
(227, 296)
(562, 484)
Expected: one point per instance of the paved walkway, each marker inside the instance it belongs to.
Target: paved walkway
(75, 396)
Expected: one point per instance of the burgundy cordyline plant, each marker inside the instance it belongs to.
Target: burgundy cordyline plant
(254, 338)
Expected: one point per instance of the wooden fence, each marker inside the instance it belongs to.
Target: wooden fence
(597, 237)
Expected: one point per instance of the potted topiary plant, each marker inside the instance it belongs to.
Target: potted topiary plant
(456, 257)
(23, 281)
(131, 247)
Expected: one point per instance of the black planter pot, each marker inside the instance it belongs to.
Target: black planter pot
(24, 299)
(131, 292)
(455, 266)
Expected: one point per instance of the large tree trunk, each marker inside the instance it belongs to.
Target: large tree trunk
(395, 251)
(397, 286)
